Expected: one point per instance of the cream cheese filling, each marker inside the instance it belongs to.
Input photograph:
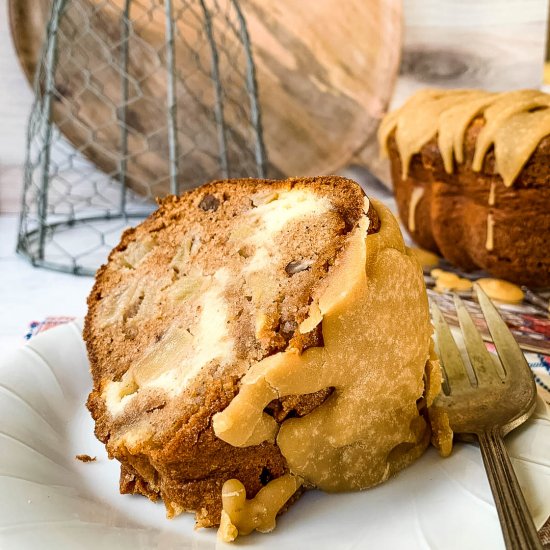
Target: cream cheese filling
(272, 217)
(173, 362)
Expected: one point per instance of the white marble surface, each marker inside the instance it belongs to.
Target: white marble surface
(31, 294)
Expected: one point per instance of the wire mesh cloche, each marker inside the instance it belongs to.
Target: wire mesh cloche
(101, 146)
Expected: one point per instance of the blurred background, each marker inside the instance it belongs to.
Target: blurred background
(494, 44)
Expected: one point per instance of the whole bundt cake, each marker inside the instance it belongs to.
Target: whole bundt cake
(471, 177)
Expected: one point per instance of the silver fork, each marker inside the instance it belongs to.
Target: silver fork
(489, 400)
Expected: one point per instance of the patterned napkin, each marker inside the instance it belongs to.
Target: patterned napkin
(35, 327)
(540, 364)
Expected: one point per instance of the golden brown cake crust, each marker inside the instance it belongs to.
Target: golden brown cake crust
(451, 216)
(182, 461)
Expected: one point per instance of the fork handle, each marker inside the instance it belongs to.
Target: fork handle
(517, 526)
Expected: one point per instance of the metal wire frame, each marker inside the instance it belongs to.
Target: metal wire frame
(40, 225)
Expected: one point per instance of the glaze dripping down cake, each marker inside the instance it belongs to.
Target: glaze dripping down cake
(471, 179)
(253, 338)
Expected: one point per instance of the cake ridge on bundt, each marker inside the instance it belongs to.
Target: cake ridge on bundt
(226, 288)
(471, 179)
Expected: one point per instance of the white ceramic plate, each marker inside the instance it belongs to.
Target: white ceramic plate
(50, 500)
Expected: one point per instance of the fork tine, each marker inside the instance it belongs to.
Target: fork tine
(485, 368)
(511, 356)
(453, 366)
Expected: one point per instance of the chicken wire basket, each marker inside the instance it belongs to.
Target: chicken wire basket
(133, 100)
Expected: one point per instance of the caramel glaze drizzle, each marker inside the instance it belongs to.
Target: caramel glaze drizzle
(490, 240)
(515, 123)
(416, 195)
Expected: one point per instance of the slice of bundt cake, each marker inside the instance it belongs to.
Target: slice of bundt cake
(268, 334)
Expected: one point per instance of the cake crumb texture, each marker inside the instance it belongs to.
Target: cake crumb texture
(85, 458)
